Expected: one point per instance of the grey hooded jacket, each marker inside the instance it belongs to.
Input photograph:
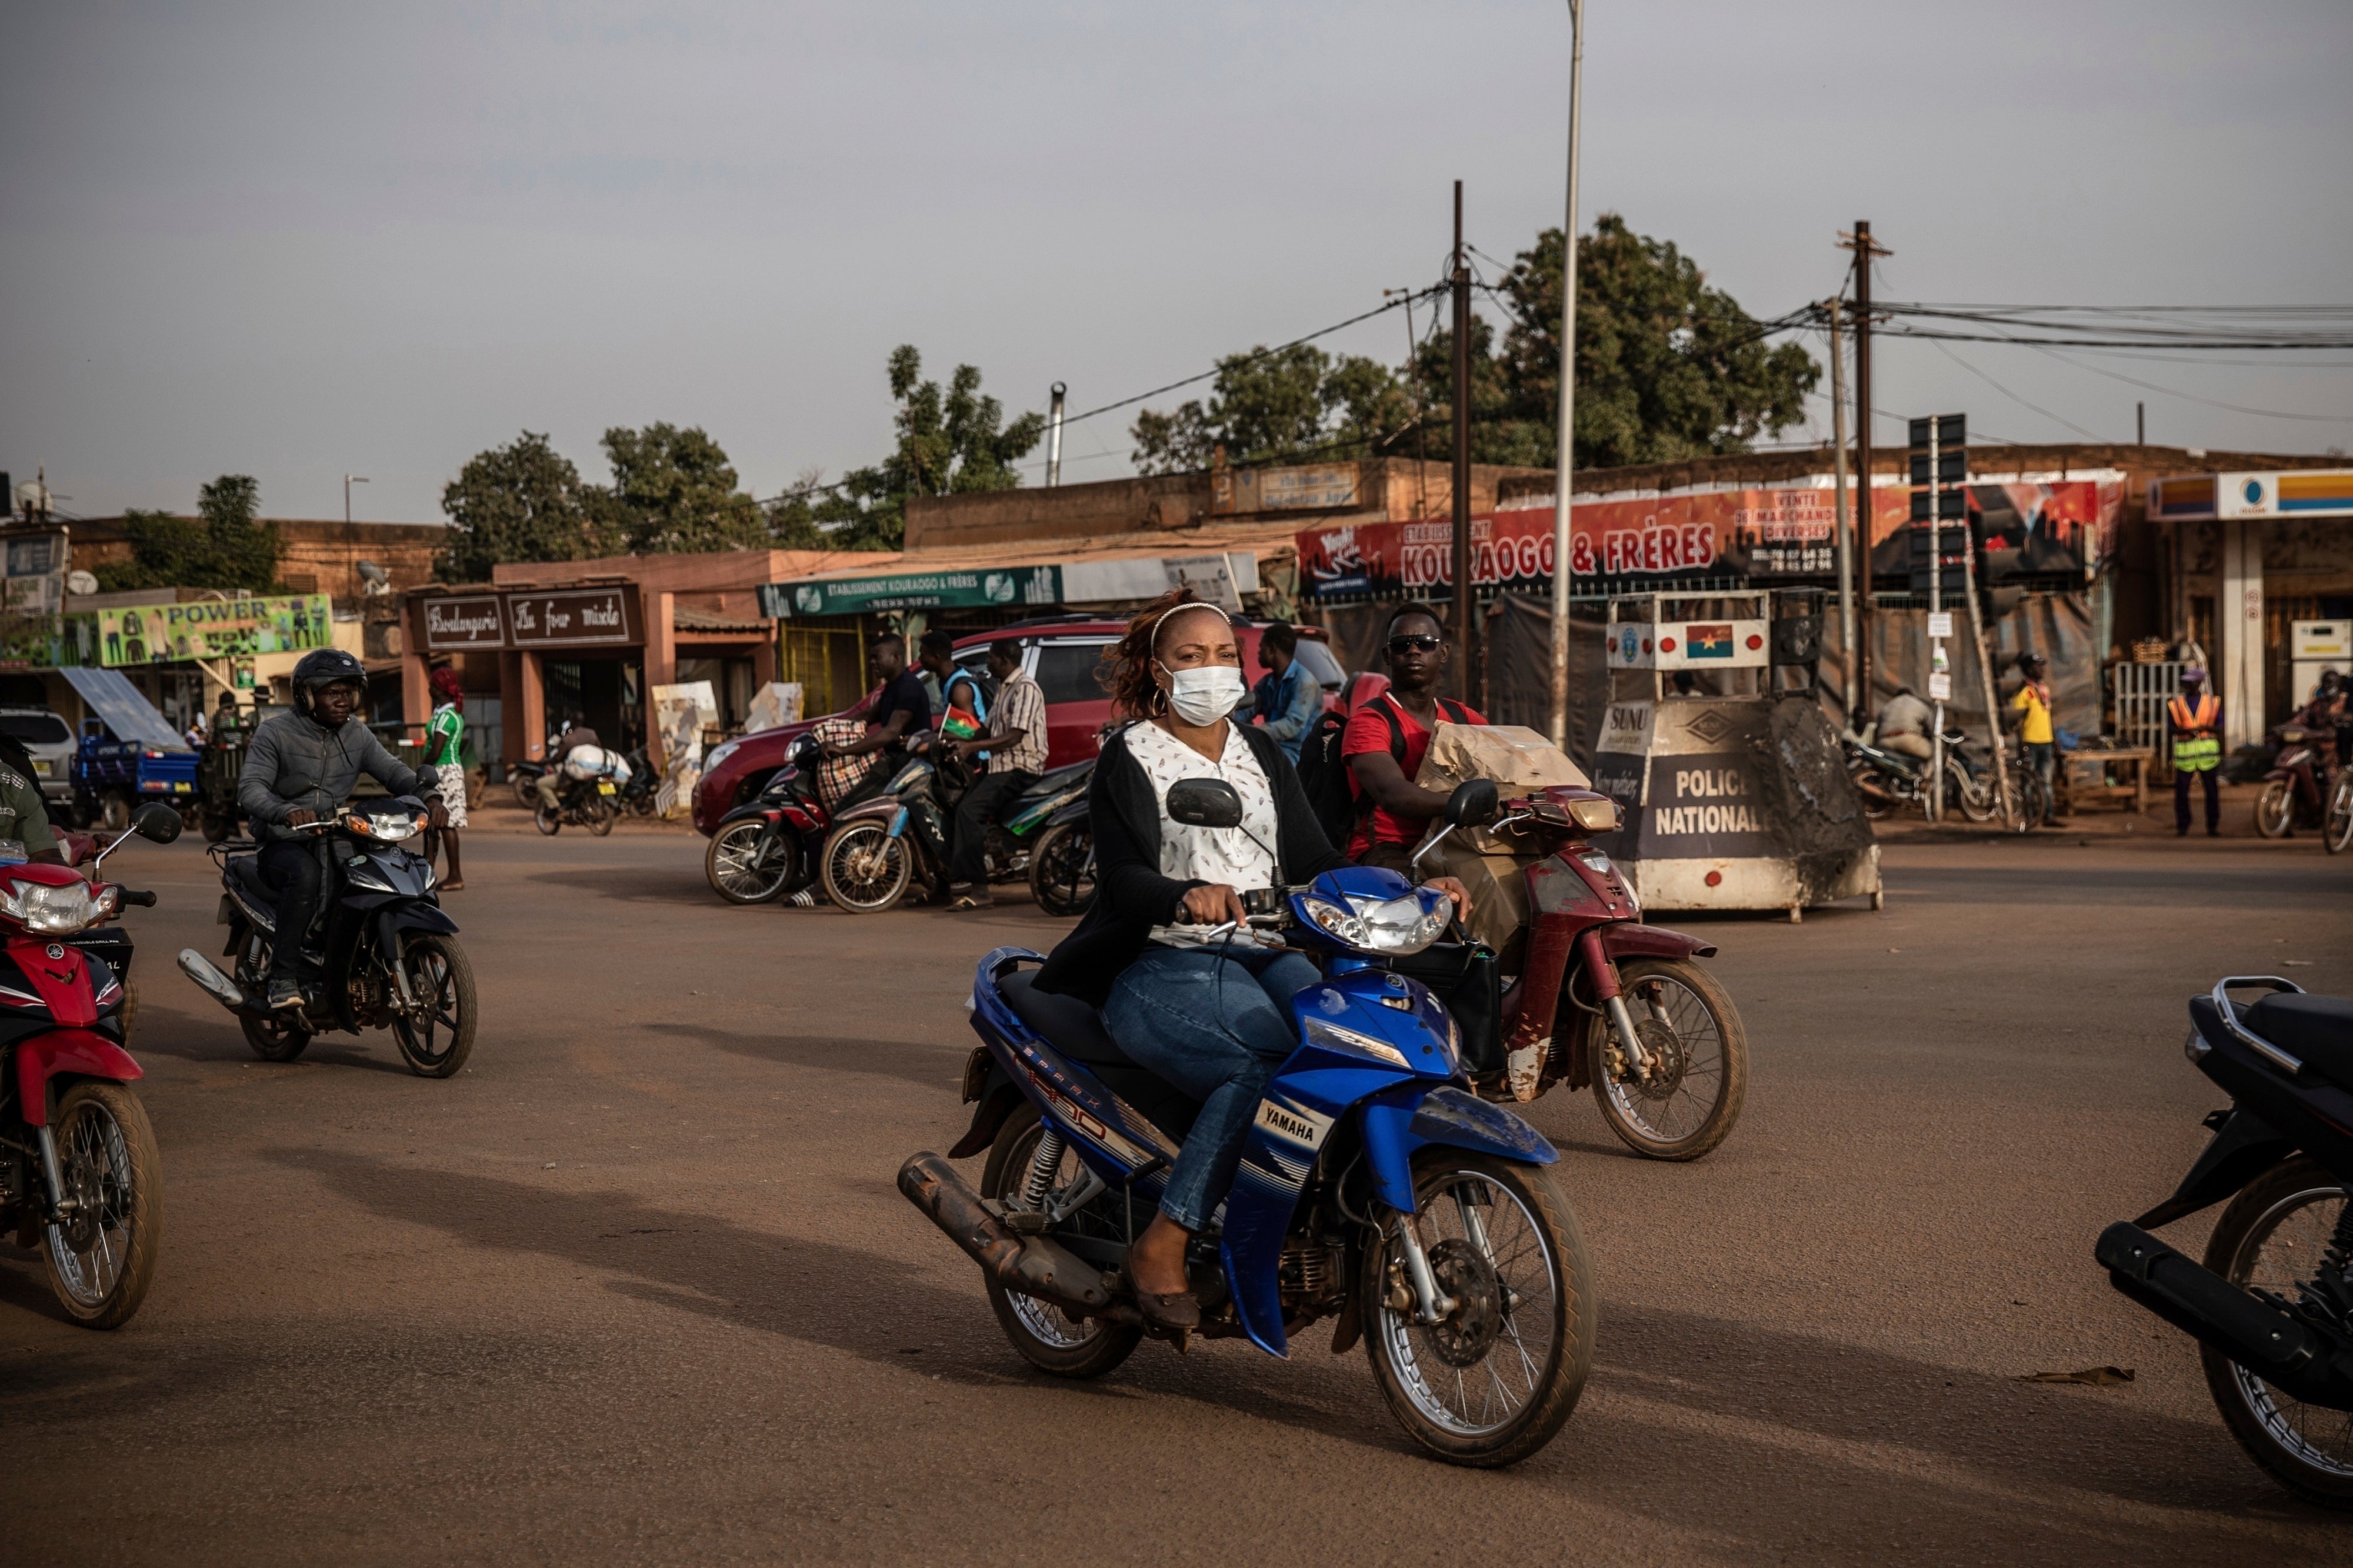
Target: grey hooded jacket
(293, 764)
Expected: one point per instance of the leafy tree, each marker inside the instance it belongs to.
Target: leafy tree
(522, 502)
(1667, 367)
(226, 545)
(951, 442)
(675, 493)
(1296, 402)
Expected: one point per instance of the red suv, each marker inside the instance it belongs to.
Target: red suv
(1059, 654)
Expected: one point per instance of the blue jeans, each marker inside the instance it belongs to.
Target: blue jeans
(1215, 1025)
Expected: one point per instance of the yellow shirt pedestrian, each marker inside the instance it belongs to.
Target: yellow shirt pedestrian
(2034, 699)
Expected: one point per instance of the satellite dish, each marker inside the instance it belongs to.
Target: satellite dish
(33, 498)
(78, 582)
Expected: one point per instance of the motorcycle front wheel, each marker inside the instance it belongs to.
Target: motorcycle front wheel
(549, 822)
(1039, 1331)
(748, 864)
(2275, 809)
(435, 1040)
(1699, 1061)
(2275, 1233)
(2034, 802)
(865, 870)
(100, 1259)
(2336, 828)
(1498, 1376)
(1876, 802)
(1062, 870)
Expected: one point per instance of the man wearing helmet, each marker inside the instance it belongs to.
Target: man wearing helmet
(2193, 720)
(298, 768)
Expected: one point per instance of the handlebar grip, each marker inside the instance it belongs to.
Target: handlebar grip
(144, 900)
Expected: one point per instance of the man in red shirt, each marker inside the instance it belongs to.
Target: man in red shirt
(1386, 739)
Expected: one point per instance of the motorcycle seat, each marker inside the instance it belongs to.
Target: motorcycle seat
(247, 870)
(2317, 1028)
(1067, 1023)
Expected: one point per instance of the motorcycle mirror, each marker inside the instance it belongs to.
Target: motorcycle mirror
(1473, 802)
(156, 823)
(1206, 803)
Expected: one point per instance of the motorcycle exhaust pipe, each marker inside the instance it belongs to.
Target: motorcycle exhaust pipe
(2281, 1348)
(1034, 1265)
(212, 982)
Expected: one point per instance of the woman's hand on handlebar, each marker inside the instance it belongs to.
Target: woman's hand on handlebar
(1454, 888)
(1213, 904)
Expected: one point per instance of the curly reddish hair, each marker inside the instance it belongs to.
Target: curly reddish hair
(1126, 668)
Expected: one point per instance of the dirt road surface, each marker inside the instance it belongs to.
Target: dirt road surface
(636, 1286)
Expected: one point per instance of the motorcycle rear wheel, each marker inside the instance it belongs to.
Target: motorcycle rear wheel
(1040, 1332)
(1061, 870)
(745, 865)
(2271, 1239)
(100, 1262)
(864, 870)
(437, 1045)
(2337, 831)
(1495, 1380)
(600, 814)
(2275, 809)
(276, 1036)
(1700, 1054)
(526, 791)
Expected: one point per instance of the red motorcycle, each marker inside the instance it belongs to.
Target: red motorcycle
(2297, 787)
(78, 1168)
(1601, 998)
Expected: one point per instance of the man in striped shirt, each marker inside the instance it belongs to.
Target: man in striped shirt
(1016, 746)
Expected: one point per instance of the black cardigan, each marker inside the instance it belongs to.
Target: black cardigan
(1131, 895)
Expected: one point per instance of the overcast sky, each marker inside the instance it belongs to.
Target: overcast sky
(308, 239)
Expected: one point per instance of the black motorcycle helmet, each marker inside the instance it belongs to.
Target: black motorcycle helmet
(323, 668)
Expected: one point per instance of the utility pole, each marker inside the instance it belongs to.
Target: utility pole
(1940, 683)
(2141, 423)
(1864, 248)
(1466, 597)
(349, 481)
(1054, 438)
(1845, 518)
(1561, 459)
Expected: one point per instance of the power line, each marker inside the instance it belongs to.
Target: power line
(2014, 397)
(2192, 398)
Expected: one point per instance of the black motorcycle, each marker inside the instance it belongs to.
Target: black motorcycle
(1890, 781)
(594, 803)
(638, 789)
(2272, 1307)
(384, 953)
(769, 846)
(1062, 866)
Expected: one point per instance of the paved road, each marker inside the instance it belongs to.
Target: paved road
(636, 1286)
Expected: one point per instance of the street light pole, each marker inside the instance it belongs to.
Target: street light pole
(349, 481)
(1561, 458)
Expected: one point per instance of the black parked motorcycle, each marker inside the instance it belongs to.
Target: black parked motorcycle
(2273, 1307)
(1890, 781)
(382, 951)
(1062, 866)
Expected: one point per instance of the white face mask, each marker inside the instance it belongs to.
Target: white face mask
(1204, 695)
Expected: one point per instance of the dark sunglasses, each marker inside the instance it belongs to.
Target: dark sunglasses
(1424, 644)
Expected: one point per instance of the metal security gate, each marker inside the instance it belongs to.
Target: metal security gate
(2140, 692)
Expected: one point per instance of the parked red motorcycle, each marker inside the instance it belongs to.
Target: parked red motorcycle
(80, 1173)
(1601, 998)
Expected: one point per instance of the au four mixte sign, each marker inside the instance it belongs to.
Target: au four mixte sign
(531, 618)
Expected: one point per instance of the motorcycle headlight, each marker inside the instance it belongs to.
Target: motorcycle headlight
(56, 911)
(1386, 925)
(392, 827)
(1594, 815)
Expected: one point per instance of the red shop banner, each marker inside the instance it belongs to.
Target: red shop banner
(1750, 533)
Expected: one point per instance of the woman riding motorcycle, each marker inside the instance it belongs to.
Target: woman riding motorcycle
(1206, 1011)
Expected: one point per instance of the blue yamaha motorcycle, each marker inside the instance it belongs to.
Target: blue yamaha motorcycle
(1374, 1188)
